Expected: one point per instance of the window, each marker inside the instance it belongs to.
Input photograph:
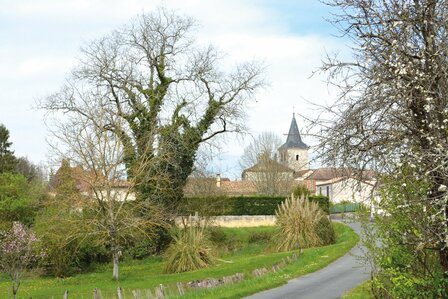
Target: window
(297, 157)
(328, 191)
(320, 190)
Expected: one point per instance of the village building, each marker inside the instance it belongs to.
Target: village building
(337, 184)
(292, 165)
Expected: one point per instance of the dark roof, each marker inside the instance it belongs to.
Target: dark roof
(293, 140)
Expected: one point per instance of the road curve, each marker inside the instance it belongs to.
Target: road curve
(330, 282)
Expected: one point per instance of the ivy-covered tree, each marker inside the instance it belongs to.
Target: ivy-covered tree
(163, 96)
(7, 159)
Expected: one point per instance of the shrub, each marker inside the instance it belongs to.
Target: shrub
(217, 236)
(190, 250)
(223, 241)
(18, 199)
(300, 190)
(147, 246)
(301, 225)
(325, 231)
(260, 237)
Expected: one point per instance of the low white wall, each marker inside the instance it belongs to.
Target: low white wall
(244, 221)
(240, 221)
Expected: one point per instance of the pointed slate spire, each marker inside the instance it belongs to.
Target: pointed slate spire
(293, 140)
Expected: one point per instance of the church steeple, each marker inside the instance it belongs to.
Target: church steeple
(293, 140)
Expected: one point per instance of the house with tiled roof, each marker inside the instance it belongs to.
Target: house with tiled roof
(339, 184)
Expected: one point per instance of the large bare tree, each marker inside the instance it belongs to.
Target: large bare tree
(167, 94)
(392, 113)
(261, 166)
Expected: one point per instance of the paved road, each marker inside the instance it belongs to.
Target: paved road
(329, 282)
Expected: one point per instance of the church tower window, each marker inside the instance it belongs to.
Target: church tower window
(297, 157)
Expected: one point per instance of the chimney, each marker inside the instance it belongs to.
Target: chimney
(218, 180)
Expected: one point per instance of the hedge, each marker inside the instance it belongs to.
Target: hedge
(242, 205)
(345, 207)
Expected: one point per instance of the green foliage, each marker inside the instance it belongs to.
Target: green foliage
(409, 267)
(300, 190)
(223, 241)
(190, 250)
(7, 159)
(60, 227)
(325, 231)
(145, 247)
(302, 224)
(29, 170)
(18, 199)
(242, 205)
(345, 207)
(322, 201)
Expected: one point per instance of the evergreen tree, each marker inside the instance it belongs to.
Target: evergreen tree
(7, 159)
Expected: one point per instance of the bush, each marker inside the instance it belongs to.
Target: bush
(148, 246)
(190, 250)
(325, 231)
(302, 224)
(223, 241)
(300, 190)
(260, 237)
(256, 205)
(18, 199)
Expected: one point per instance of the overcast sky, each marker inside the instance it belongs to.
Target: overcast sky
(40, 41)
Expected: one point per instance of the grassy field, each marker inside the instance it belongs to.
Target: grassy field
(362, 291)
(149, 273)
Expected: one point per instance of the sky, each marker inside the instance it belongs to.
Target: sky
(40, 42)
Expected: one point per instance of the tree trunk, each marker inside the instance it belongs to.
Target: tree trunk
(115, 257)
(15, 288)
(443, 255)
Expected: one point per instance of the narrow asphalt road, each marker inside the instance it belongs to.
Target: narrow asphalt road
(329, 282)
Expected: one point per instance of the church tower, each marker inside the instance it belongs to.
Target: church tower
(294, 153)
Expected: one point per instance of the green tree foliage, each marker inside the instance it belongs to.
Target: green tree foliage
(7, 159)
(26, 168)
(300, 190)
(19, 199)
(405, 266)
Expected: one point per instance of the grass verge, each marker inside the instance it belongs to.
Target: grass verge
(311, 260)
(149, 273)
(362, 291)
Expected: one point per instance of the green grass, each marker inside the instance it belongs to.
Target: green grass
(149, 273)
(362, 291)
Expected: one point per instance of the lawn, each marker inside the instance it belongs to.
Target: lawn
(149, 273)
